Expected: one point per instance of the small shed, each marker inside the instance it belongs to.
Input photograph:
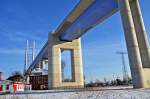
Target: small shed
(6, 86)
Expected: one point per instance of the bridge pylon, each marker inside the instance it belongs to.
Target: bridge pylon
(55, 47)
(137, 42)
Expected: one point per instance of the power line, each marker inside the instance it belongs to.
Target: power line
(124, 68)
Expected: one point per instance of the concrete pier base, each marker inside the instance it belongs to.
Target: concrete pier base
(54, 63)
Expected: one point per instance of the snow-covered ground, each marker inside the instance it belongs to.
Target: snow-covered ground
(113, 94)
(96, 93)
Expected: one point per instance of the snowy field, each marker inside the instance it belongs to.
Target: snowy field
(96, 93)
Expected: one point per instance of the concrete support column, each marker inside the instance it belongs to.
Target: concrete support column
(141, 33)
(54, 63)
(28, 79)
(54, 71)
(76, 60)
(38, 66)
(132, 44)
(42, 64)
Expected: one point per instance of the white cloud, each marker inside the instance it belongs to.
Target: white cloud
(20, 36)
(12, 51)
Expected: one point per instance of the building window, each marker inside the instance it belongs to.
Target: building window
(1, 87)
(7, 87)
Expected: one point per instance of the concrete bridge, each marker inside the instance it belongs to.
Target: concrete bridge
(85, 16)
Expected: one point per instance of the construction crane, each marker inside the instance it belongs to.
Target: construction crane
(124, 68)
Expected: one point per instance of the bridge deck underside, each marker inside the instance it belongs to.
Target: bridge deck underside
(90, 15)
(96, 13)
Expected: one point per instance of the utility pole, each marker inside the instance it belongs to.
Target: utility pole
(124, 68)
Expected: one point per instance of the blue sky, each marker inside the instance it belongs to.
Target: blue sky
(34, 19)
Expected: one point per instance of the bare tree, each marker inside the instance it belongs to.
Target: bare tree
(16, 76)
